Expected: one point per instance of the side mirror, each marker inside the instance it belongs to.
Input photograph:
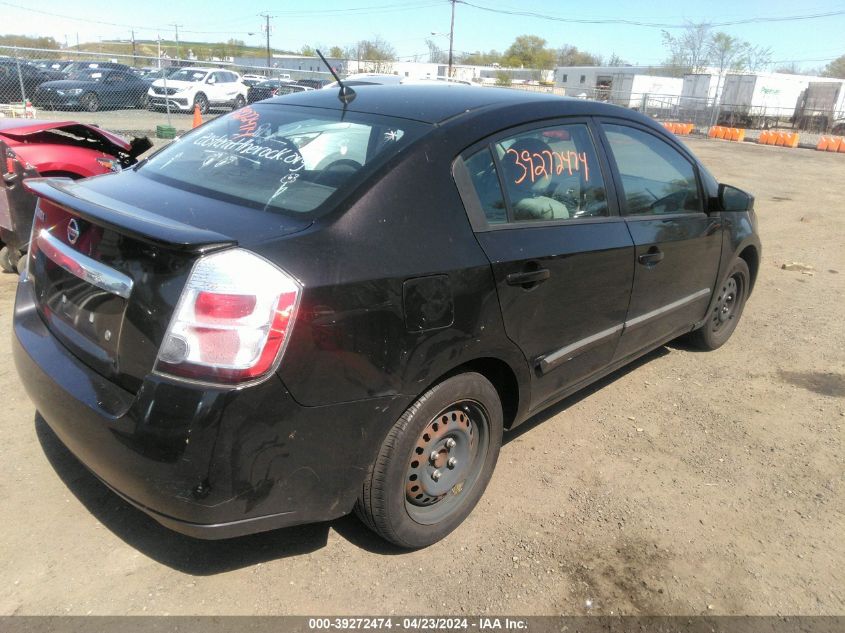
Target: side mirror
(734, 199)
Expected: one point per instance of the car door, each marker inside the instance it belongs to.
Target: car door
(543, 208)
(678, 245)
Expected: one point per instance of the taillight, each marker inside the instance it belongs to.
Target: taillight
(112, 164)
(232, 322)
(11, 159)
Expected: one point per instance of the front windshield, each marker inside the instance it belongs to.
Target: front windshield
(280, 158)
(188, 75)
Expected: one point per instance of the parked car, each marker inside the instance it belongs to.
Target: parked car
(32, 148)
(10, 81)
(251, 80)
(52, 68)
(206, 87)
(93, 90)
(367, 79)
(316, 84)
(254, 328)
(74, 67)
(273, 88)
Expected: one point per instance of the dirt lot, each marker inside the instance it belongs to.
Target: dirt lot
(689, 483)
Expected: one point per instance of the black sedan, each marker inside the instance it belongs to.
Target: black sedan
(273, 88)
(92, 90)
(312, 306)
(15, 74)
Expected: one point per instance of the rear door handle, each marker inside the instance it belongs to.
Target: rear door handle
(654, 256)
(528, 277)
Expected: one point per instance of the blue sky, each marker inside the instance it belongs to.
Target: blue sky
(406, 24)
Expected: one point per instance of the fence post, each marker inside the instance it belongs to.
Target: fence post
(20, 80)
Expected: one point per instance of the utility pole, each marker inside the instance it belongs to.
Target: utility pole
(134, 50)
(451, 37)
(266, 17)
(176, 26)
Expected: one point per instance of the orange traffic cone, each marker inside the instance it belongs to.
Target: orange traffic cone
(197, 116)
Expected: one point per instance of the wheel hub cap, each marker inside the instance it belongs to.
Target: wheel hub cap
(441, 458)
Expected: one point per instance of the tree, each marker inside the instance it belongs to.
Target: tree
(480, 59)
(727, 52)
(307, 51)
(336, 52)
(435, 53)
(377, 53)
(836, 68)
(757, 58)
(688, 51)
(529, 51)
(568, 55)
(615, 60)
(25, 41)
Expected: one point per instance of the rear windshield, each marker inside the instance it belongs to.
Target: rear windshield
(281, 158)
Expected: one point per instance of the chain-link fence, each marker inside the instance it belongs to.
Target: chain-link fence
(132, 93)
(811, 115)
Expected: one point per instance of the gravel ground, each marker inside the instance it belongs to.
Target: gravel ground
(687, 483)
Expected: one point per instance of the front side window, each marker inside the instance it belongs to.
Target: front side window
(656, 178)
(281, 159)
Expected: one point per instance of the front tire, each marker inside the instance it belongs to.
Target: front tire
(240, 102)
(90, 102)
(731, 296)
(202, 101)
(435, 463)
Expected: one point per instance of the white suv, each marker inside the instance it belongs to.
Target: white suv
(206, 87)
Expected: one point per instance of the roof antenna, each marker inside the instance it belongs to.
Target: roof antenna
(346, 94)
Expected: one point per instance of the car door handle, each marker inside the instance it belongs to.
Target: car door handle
(654, 256)
(528, 277)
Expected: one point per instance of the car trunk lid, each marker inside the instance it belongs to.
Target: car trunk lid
(107, 274)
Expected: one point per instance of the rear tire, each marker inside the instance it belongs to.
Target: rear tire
(435, 463)
(731, 296)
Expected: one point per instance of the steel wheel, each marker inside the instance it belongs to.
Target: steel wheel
(727, 308)
(447, 460)
(435, 462)
(730, 296)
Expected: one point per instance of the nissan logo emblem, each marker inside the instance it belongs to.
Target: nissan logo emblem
(72, 231)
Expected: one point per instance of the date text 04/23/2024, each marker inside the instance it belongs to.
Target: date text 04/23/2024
(481, 624)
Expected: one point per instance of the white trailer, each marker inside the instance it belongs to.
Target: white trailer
(698, 91)
(764, 98)
(822, 107)
(645, 92)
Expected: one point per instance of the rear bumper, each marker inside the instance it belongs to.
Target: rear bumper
(207, 463)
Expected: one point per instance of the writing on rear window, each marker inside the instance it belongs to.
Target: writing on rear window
(280, 159)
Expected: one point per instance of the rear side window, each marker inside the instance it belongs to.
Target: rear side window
(280, 158)
(656, 178)
(550, 173)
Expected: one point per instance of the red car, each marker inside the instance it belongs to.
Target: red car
(30, 148)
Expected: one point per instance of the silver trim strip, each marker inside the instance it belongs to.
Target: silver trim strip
(567, 353)
(555, 358)
(669, 307)
(84, 267)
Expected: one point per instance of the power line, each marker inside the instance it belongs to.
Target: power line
(660, 25)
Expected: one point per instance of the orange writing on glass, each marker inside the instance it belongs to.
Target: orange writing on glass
(249, 122)
(545, 164)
